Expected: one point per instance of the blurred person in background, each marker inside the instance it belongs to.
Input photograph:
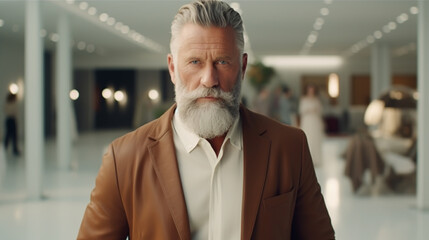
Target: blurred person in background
(208, 168)
(285, 105)
(311, 121)
(11, 111)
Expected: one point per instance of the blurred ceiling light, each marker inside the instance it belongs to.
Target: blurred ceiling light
(153, 94)
(334, 85)
(303, 61)
(119, 96)
(13, 88)
(111, 21)
(374, 112)
(402, 18)
(370, 39)
(106, 93)
(92, 11)
(70, 1)
(392, 25)
(83, 5)
(125, 29)
(118, 26)
(1, 22)
(103, 17)
(319, 21)
(378, 34)
(324, 11)
(74, 94)
(43, 33)
(55, 37)
(328, 1)
(312, 38)
(90, 48)
(81, 45)
(414, 10)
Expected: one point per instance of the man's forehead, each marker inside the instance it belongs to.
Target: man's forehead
(195, 37)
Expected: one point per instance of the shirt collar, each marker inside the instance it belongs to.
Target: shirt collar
(190, 140)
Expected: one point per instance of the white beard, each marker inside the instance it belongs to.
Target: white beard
(208, 119)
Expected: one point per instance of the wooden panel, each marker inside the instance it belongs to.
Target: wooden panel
(405, 80)
(361, 90)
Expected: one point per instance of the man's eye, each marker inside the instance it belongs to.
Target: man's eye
(222, 62)
(195, 62)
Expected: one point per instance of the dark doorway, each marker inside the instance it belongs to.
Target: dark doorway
(114, 111)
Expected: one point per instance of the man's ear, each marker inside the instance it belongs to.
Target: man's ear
(171, 67)
(244, 65)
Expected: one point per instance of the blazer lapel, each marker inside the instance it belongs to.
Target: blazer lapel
(255, 170)
(163, 156)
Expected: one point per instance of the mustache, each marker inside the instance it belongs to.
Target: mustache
(215, 92)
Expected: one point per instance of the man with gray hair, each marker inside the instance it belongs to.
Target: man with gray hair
(208, 168)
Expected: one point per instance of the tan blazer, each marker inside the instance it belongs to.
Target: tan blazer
(138, 191)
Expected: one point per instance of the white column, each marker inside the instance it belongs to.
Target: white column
(34, 121)
(422, 109)
(63, 83)
(380, 69)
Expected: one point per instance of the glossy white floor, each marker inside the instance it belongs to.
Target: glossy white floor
(66, 194)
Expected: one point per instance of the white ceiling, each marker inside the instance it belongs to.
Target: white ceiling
(274, 27)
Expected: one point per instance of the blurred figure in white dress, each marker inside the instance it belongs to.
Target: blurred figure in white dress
(310, 110)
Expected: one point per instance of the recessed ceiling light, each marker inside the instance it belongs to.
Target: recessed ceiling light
(402, 18)
(392, 25)
(324, 11)
(1, 22)
(81, 45)
(111, 21)
(118, 26)
(125, 29)
(55, 37)
(90, 48)
(92, 11)
(414, 10)
(103, 17)
(312, 38)
(83, 5)
(328, 1)
(378, 34)
(320, 21)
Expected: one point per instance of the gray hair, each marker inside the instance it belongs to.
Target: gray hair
(208, 13)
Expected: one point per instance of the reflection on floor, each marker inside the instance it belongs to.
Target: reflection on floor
(66, 194)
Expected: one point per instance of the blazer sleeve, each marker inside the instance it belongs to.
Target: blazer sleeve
(105, 217)
(311, 219)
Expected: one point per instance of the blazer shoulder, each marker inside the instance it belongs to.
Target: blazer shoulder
(149, 132)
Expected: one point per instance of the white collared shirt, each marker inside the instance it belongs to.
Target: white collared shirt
(212, 185)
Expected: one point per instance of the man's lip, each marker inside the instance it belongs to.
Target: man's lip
(209, 98)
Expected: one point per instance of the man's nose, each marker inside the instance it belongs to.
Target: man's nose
(210, 77)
